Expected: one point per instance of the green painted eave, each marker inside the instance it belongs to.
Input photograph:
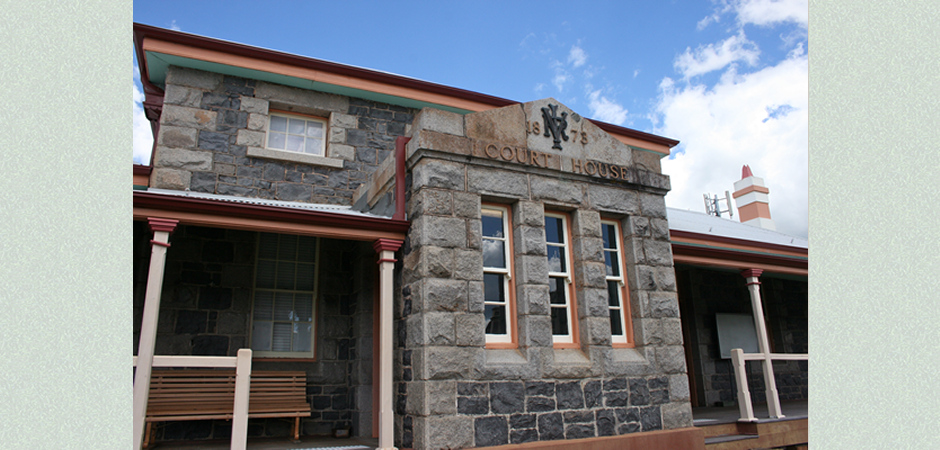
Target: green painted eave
(158, 63)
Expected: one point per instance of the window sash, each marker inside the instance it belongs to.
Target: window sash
(283, 310)
(299, 134)
(562, 330)
(616, 293)
(497, 244)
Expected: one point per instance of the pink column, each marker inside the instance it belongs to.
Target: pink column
(753, 285)
(386, 249)
(148, 327)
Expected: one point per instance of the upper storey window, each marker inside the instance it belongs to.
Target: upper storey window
(621, 329)
(560, 285)
(294, 133)
(497, 286)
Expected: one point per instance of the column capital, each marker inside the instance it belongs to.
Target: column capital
(747, 273)
(391, 245)
(157, 224)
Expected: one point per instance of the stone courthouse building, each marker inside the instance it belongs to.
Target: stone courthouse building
(449, 269)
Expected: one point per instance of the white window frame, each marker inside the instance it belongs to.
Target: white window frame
(506, 272)
(566, 276)
(623, 308)
(323, 139)
(311, 354)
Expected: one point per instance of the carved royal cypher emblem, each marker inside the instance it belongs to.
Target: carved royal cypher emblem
(555, 125)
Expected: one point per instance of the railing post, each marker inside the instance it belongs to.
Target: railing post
(753, 285)
(242, 389)
(740, 378)
(148, 328)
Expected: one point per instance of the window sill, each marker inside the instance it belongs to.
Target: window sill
(302, 158)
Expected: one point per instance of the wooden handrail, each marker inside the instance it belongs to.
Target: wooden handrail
(738, 358)
(242, 365)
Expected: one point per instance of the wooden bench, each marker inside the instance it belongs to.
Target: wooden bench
(206, 394)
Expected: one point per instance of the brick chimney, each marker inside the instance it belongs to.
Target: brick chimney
(753, 202)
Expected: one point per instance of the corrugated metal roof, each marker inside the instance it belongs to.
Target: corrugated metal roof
(339, 209)
(696, 222)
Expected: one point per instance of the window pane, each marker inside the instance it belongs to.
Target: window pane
(264, 304)
(613, 294)
(494, 254)
(283, 306)
(261, 336)
(281, 338)
(266, 274)
(306, 249)
(493, 288)
(267, 248)
(613, 266)
(610, 235)
(492, 224)
(295, 143)
(287, 248)
(278, 124)
(285, 275)
(305, 277)
(314, 146)
(616, 327)
(495, 319)
(314, 129)
(556, 261)
(302, 336)
(276, 140)
(556, 291)
(296, 126)
(559, 321)
(303, 307)
(554, 232)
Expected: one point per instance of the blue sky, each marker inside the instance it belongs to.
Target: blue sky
(727, 78)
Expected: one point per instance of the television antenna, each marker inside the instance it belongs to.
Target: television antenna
(713, 205)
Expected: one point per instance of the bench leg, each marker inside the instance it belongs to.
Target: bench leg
(297, 429)
(148, 435)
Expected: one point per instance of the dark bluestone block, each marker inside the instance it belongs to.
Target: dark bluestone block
(606, 423)
(541, 388)
(215, 298)
(462, 388)
(639, 392)
(210, 345)
(650, 418)
(190, 322)
(490, 431)
(472, 405)
(540, 404)
(518, 421)
(616, 384)
(579, 431)
(507, 398)
(569, 395)
(551, 427)
(520, 436)
(616, 398)
(592, 394)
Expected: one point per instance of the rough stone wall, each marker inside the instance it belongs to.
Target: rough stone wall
(211, 123)
(205, 310)
(452, 391)
(785, 303)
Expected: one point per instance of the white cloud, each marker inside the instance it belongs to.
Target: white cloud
(769, 12)
(576, 56)
(143, 136)
(636, 72)
(561, 76)
(759, 119)
(716, 57)
(174, 26)
(605, 109)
